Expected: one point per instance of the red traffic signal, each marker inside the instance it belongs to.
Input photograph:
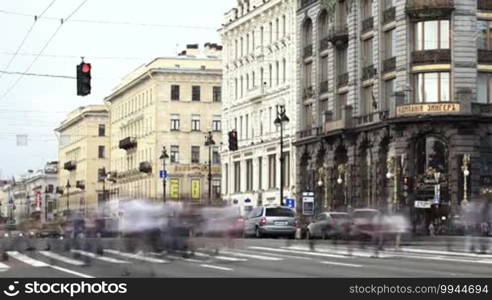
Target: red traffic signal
(84, 79)
(86, 68)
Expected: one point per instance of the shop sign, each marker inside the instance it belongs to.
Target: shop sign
(423, 204)
(174, 188)
(428, 108)
(195, 189)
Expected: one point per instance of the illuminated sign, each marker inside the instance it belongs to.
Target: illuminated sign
(174, 188)
(195, 189)
(428, 108)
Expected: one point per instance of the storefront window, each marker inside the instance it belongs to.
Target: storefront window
(431, 154)
(432, 87)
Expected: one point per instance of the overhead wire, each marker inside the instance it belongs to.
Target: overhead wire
(42, 49)
(27, 36)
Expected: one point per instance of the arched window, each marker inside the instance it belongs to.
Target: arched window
(323, 25)
(308, 32)
(431, 153)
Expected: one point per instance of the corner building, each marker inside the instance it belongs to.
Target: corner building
(394, 105)
(259, 40)
(170, 102)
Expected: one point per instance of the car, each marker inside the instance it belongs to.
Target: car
(221, 221)
(50, 230)
(271, 221)
(328, 224)
(365, 223)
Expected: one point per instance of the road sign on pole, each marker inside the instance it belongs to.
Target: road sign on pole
(291, 203)
(163, 174)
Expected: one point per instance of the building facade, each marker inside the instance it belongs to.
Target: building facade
(394, 104)
(40, 193)
(259, 40)
(171, 102)
(83, 152)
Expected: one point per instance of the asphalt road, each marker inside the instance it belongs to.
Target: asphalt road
(238, 258)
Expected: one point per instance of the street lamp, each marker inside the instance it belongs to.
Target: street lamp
(340, 181)
(209, 142)
(164, 156)
(280, 121)
(466, 173)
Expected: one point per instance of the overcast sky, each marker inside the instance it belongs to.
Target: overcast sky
(36, 105)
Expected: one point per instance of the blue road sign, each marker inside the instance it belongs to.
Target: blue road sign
(163, 174)
(291, 203)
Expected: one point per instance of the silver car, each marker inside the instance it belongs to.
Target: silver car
(271, 221)
(329, 224)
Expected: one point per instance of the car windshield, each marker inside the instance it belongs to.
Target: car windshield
(279, 212)
(366, 214)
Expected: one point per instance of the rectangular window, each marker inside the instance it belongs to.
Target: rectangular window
(484, 88)
(390, 44)
(217, 124)
(175, 92)
(102, 130)
(368, 104)
(195, 90)
(366, 8)
(432, 87)
(342, 61)
(216, 157)
(175, 123)
(389, 89)
(324, 68)
(249, 175)
(247, 126)
(342, 101)
(217, 93)
(260, 173)
(484, 30)
(431, 35)
(237, 177)
(174, 157)
(272, 171)
(367, 52)
(195, 154)
(195, 123)
(102, 152)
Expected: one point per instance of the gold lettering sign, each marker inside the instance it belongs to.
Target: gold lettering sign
(428, 108)
(195, 189)
(174, 188)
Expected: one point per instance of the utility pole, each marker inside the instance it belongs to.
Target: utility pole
(209, 142)
(164, 156)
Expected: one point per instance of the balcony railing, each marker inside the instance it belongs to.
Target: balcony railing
(323, 87)
(369, 72)
(307, 133)
(345, 121)
(324, 44)
(485, 4)
(342, 80)
(371, 118)
(145, 167)
(484, 56)
(128, 143)
(368, 24)
(308, 92)
(429, 9)
(389, 15)
(338, 35)
(481, 108)
(389, 65)
(70, 165)
(431, 57)
(308, 51)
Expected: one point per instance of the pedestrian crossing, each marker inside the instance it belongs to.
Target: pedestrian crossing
(73, 262)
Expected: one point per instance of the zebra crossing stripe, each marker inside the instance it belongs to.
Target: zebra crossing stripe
(255, 256)
(62, 258)
(136, 256)
(99, 257)
(3, 267)
(26, 259)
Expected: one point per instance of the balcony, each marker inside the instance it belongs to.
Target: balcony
(429, 9)
(389, 15)
(345, 122)
(368, 24)
(371, 118)
(308, 92)
(311, 132)
(145, 167)
(428, 57)
(128, 143)
(342, 80)
(324, 43)
(389, 65)
(369, 72)
(338, 36)
(308, 51)
(484, 56)
(323, 87)
(484, 4)
(305, 3)
(70, 165)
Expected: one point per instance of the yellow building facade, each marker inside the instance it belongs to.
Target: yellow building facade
(83, 152)
(171, 102)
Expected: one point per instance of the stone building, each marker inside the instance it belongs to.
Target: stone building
(259, 40)
(83, 152)
(171, 102)
(394, 104)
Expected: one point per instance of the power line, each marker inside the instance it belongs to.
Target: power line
(26, 36)
(38, 75)
(42, 50)
(65, 56)
(106, 22)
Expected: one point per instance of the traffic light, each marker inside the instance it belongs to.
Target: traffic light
(84, 79)
(407, 187)
(233, 146)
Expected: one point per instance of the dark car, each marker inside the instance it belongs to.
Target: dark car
(329, 224)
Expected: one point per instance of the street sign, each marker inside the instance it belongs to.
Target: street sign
(423, 204)
(163, 174)
(291, 203)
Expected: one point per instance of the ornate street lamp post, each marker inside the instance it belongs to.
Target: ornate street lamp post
(281, 121)
(164, 156)
(466, 174)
